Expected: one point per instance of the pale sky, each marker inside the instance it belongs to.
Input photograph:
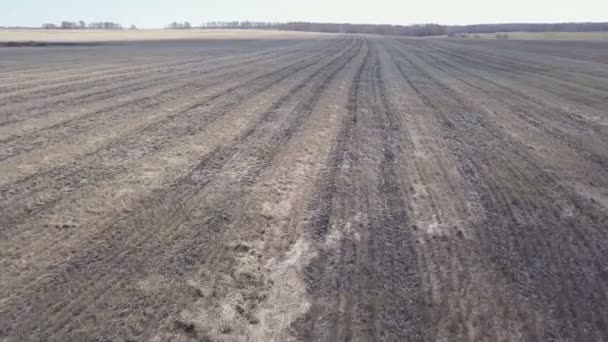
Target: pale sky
(158, 13)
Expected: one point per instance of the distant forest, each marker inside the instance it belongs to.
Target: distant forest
(396, 30)
(81, 25)
(522, 27)
(411, 30)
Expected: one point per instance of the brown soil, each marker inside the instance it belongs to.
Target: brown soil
(324, 188)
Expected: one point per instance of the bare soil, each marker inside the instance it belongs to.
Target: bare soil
(326, 188)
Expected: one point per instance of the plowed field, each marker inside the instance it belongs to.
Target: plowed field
(325, 188)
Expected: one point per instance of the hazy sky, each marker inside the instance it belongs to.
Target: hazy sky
(158, 13)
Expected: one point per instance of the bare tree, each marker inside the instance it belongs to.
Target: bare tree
(105, 25)
(179, 26)
(68, 25)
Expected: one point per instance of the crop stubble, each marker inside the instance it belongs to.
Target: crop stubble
(327, 188)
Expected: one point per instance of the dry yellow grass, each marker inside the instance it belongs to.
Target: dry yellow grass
(143, 34)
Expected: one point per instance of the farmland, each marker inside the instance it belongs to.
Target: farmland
(304, 187)
(118, 36)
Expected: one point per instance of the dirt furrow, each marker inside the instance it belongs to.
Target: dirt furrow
(572, 90)
(59, 62)
(558, 64)
(186, 199)
(364, 281)
(525, 207)
(549, 134)
(107, 74)
(226, 159)
(112, 65)
(52, 130)
(132, 72)
(255, 273)
(99, 93)
(104, 159)
(446, 211)
(561, 138)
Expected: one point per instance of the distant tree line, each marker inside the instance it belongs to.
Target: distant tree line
(81, 25)
(523, 27)
(398, 30)
(395, 30)
(257, 25)
(179, 26)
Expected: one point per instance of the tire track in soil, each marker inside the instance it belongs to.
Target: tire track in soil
(27, 93)
(303, 108)
(81, 91)
(535, 107)
(64, 129)
(108, 181)
(254, 274)
(28, 71)
(587, 53)
(429, 94)
(529, 217)
(504, 135)
(118, 67)
(561, 146)
(98, 164)
(33, 88)
(193, 76)
(574, 87)
(536, 62)
(364, 283)
(126, 254)
(41, 107)
(77, 95)
(458, 303)
(73, 202)
(139, 84)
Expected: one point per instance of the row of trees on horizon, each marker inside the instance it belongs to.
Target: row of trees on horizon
(81, 25)
(529, 27)
(397, 30)
(411, 30)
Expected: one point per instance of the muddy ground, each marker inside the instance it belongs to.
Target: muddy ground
(330, 189)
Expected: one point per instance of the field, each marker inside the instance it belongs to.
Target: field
(323, 188)
(118, 36)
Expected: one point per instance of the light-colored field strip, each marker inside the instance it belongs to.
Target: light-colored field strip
(145, 35)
